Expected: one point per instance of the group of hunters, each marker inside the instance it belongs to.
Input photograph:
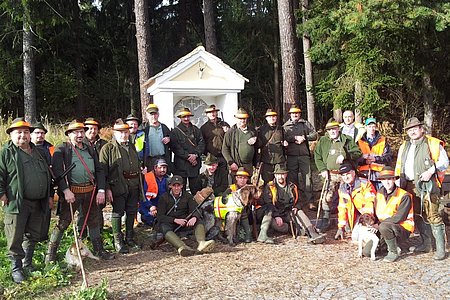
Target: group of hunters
(132, 172)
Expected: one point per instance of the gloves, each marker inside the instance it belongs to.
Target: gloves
(339, 234)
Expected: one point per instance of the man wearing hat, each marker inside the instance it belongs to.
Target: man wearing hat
(350, 127)
(218, 181)
(120, 161)
(92, 134)
(270, 141)
(188, 146)
(330, 152)
(298, 133)
(156, 183)
(421, 165)
(38, 133)
(213, 134)
(174, 207)
(137, 136)
(376, 152)
(156, 140)
(241, 179)
(356, 197)
(25, 194)
(280, 199)
(394, 211)
(239, 144)
(82, 188)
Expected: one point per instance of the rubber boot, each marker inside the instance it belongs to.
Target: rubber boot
(27, 261)
(53, 245)
(17, 270)
(129, 231)
(97, 244)
(119, 245)
(314, 236)
(265, 225)
(425, 234)
(203, 246)
(213, 233)
(181, 247)
(392, 250)
(248, 231)
(439, 235)
(324, 222)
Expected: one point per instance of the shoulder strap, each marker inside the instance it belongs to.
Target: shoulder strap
(91, 177)
(194, 145)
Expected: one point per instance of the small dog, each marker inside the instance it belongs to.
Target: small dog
(364, 234)
(72, 259)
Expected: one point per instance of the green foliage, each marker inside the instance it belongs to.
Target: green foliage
(91, 293)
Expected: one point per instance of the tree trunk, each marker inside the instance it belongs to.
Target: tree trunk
(143, 46)
(29, 78)
(288, 53)
(358, 99)
(309, 79)
(210, 26)
(428, 114)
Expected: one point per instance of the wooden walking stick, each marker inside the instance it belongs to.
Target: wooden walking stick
(322, 195)
(83, 273)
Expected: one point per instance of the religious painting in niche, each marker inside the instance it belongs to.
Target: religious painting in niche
(197, 107)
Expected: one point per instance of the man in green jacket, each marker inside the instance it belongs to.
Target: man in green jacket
(25, 193)
(331, 150)
(120, 161)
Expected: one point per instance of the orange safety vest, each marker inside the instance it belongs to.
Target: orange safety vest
(361, 200)
(377, 149)
(222, 209)
(433, 145)
(385, 210)
(51, 149)
(273, 192)
(150, 186)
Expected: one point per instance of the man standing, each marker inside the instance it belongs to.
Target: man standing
(330, 152)
(188, 146)
(38, 133)
(213, 135)
(350, 127)
(92, 134)
(421, 165)
(156, 140)
(356, 197)
(174, 207)
(376, 152)
(156, 183)
(238, 147)
(83, 188)
(25, 195)
(135, 132)
(280, 205)
(298, 133)
(270, 141)
(394, 210)
(120, 161)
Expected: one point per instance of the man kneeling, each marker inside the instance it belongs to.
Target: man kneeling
(280, 199)
(174, 208)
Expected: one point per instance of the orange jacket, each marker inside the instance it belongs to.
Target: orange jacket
(386, 209)
(360, 201)
(377, 149)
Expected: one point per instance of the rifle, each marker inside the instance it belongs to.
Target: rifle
(291, 224)
(56, 180)
(256, 177)
(307, 144)
(323, 193)
(157, 243)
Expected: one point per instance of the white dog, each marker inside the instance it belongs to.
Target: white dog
(363, 233)
(72, 258)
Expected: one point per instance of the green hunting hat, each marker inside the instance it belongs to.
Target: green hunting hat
(39, 125)
(270, 112)
(413, 122)
(176, 179)
(280, 169)
(130, 117)
(211, 108)
(211, 159)
(332, 123)
(242, 172)
(184, 112)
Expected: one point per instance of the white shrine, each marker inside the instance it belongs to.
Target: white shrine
(196, 81)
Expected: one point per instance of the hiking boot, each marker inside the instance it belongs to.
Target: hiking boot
(392, 250)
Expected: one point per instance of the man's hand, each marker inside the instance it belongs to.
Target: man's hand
(165, 140)
(279, 221)
(299, 139)
(192, 158)
(181, 222)
(153, 210)
(324, 174)
(339, 234)
(100, 198)
(425, 176)
(252, 140)
(109, 196)
(4, 200)
(294, 210)
(69, 196)
(340, 159)
(373, 228)
(234, 167)
(191, 222)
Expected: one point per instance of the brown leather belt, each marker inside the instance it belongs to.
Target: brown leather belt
(130, 175)
(82, 188)
(334, 172)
